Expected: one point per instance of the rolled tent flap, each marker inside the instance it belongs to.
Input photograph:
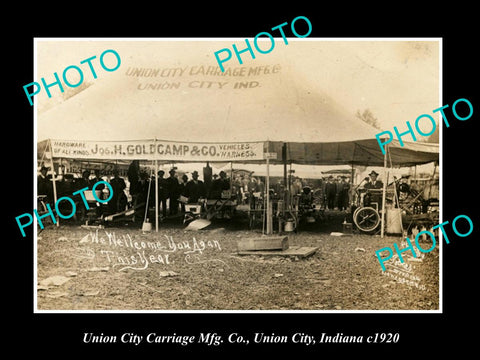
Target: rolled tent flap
(358, 152)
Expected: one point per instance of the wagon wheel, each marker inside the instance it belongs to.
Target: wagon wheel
(366, 219)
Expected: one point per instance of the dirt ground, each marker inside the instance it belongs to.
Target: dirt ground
(122, 268)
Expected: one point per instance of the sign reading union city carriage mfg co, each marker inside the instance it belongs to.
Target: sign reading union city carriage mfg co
(157, 150)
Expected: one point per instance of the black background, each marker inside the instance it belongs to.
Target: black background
(60, 335)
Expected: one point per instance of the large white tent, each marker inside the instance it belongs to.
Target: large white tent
(170, 94)
(173, 90)
(282, 107)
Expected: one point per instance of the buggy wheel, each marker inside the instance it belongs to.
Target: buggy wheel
(366, 219)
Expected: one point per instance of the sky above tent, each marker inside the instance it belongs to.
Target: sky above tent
(170, 89)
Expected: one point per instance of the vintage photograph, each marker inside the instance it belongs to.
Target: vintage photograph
(284, 183)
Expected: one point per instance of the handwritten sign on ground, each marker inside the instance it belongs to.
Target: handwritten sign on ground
(124, 251)
(403, 272)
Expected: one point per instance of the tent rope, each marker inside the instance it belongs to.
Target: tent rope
(148, 195)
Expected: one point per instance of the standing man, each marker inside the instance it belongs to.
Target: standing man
(173, 192)
(338, 191)
(183, 190)
(43, 183)
(297, 187)
(84, 181)
(195, 189)
(260, 186)
(99, 188)
(143, 184)
(330, 192)
(162, 192)
(236, 189)
(279, 188)
(219, 185)
(252, 185)
(373, 184)
(343, 199)
(133, 175)
(252, 188)
(119, 200)
(96, 179)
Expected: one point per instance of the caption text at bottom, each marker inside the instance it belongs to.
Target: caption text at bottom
(214, 339)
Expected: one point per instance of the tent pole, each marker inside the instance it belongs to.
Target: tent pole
(384, 191)
(269, 212)
(284, 158)
(231, 176)
(289, 188)
(42, 160)
(395, 195)
(350, 191)
(156, 195)
(432, 179)
(156, 192)
(53, 179)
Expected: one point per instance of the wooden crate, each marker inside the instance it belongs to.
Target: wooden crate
(263, 243)
(294, 251)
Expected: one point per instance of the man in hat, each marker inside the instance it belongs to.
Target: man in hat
(118, 199)
(99, 187)
(343, 188)
(142, 193)
(219, 185)
(403, 188)
(306, 197)
(195, 189)
(44, 185)
(330, 192)
(173, 188)
(296, 188)
(96, 179)
(84, 181)
(133, 175)
(182, 189)
(279, 188)
(162, 192)
(373, 184)
(252, 187)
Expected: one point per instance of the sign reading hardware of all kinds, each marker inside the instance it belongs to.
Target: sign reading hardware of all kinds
(157, 150)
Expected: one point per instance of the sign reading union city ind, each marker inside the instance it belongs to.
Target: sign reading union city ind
(157, 150)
